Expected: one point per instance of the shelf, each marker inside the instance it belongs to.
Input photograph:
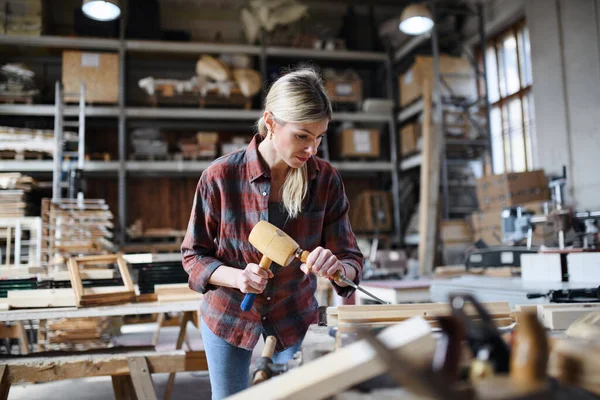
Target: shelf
(467, 142)
(362, 166)
(167, 166)
(191, 113)
(48, 166)
(61, 42)
(189, 47)
(360, 117)
(142, 46)
(344, 55)
(410, 111)
(47, 110)
(411, 162)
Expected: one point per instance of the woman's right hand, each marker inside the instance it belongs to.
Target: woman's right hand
(253, 279)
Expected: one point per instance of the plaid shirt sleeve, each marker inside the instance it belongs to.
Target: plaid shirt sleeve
(198, 247)
(338, 235)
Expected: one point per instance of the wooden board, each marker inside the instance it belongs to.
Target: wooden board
(44, 369)
(175, 292)
(430, 180)
(561, 316)
(353, 364)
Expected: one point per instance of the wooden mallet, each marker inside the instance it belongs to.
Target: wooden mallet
(275, 245)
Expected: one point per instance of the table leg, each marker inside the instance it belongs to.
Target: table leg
(22, 333)
(159, 323)
(141, 378)
(123, 387)
(187, 316)
(4, 382)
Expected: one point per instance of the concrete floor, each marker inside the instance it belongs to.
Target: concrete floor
(188, 385)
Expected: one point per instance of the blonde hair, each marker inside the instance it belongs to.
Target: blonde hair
(297, 97)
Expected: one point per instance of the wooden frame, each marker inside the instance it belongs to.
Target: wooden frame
(14, 228)
(100, 299)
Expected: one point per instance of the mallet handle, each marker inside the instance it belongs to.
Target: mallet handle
(269, 349)
(265, 263)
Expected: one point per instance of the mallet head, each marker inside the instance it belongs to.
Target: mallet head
(273, 243)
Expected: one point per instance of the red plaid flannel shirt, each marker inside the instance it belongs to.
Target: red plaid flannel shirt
(231, 197)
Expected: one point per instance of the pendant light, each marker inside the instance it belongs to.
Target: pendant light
(416, 20)
(101, 10)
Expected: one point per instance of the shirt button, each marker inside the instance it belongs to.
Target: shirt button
(264, 318)
(264, 193)
(268, 298)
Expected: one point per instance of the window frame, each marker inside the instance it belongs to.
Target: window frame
(523, 94)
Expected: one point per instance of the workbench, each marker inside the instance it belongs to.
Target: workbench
(396, 291)
(138, 365)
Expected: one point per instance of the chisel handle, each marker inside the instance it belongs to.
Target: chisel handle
(265, 263)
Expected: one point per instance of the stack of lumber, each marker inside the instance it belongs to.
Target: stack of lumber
(70, 228)
(374, 316)
(14, 189)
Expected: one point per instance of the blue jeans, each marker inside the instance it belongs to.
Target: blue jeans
(229, 366)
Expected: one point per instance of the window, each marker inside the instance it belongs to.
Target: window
(512, 120)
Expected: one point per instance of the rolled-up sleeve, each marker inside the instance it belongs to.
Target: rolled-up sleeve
(198, 247)
(338, 235)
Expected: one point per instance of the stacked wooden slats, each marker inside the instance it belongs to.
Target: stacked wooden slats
(71, 228)
(375, 316)
(14, 189)
(77, 333)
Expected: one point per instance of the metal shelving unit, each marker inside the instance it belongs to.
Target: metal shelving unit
(411, 111)
(124, 113)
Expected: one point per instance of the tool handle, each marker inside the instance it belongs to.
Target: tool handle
(269, 349)
(304, 256)
(265, 263)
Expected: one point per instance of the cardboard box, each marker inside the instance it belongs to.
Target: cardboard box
(487, 226)
(455, 231)
(409, 137)
(360, 143)
(495, 192)
(99, 71)
(411, 82)
(344, 90)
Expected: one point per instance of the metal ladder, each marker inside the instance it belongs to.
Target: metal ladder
(67, 176)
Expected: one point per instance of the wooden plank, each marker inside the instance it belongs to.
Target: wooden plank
(4, 382)
(44, 369)
(560, 319)
(123, 387)
(76, 283)
(8, 332)
(22, 334)
(576, 362)
(353, 364)
(430, 180)
(141, 378)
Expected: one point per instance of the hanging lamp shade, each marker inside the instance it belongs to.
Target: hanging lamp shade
(415, 20)
(101, 10)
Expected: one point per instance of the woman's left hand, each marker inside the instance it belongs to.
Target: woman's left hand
(322, 262)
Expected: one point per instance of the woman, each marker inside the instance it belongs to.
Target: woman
(278, 179)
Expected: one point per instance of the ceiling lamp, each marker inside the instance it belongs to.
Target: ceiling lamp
(415, 20)
(101, 10)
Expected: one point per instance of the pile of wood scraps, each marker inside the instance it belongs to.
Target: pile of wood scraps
(73, 228)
